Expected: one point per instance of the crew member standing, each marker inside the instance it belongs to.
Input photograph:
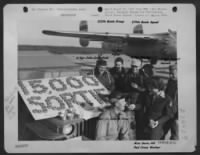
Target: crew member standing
(134, 88)
(133, 80)
(118, 73)
(158, 107)
(172, 91)
(147, 71)
(103, 75)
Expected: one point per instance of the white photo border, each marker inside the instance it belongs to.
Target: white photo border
(186, 47)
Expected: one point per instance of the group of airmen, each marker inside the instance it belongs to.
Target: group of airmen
(143, 106)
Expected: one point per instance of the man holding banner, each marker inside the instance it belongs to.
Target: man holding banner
(103, 75)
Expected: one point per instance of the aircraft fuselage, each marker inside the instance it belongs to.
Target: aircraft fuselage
(153, 50)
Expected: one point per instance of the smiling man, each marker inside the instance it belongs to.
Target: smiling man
(113, 123)
(119, 74)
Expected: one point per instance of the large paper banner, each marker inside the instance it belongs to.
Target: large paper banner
(45, 98)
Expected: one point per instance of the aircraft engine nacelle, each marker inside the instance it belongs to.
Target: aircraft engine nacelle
(83, 27)
(84, 42)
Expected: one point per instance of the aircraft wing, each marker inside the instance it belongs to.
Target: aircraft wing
(161, 45)
(62, 49)
(96, 36)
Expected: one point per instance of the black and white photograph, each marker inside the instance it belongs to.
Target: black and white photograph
(101, 80)
(141, 102)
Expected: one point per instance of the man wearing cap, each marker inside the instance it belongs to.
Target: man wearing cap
(158, 107)
(133, 78)
(148, 70)
(118, 72)
(172, 91)
(103, 75)
(113, 123)
(134, 87)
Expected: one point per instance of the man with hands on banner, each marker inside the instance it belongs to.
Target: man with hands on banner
(103, 75)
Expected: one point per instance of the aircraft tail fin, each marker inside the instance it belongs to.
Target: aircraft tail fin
(138, 29)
